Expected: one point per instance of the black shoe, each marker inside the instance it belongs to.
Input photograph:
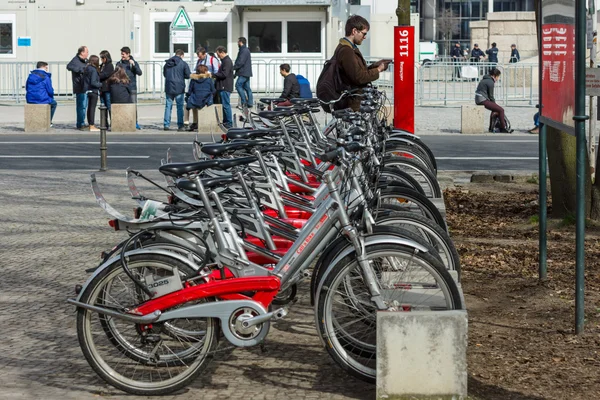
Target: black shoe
(193, 127)
(181, 129)
(506, 131)
(166, 128)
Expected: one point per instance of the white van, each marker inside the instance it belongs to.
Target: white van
(428, 52)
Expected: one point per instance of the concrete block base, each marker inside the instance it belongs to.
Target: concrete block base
(123, 117)
(422, 355)
(472, 119)
(207, 120)
(37, 117)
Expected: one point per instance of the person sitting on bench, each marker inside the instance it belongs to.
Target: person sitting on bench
(200, 93)
(484, 96)
(291, 87)
(39, 88)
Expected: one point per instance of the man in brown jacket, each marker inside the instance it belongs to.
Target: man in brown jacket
(353, 67)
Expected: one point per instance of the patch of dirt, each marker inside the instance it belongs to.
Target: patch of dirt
(521, 332)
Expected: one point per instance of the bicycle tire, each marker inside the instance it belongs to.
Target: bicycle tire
(337, 337)
(334, 248)
(427, 208)
(401, 176)
(410, 151)
(421, 174)
(100, 364)
(430, 231)
(419, 143)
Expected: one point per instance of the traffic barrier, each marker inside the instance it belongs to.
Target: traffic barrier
(207, 121)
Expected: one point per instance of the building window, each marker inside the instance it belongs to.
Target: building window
(264, 37)
(304, 37)
(161, 37)
(210, 35)
(7, 37)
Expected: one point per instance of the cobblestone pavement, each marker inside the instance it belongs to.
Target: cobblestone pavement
(51, 230)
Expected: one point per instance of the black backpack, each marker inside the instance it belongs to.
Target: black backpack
(330, 86)
(495, 123)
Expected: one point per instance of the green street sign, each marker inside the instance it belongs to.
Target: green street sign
(181, 20)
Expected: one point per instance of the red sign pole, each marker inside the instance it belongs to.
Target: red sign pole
(404, 78)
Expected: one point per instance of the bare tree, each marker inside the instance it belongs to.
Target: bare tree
(447, 25)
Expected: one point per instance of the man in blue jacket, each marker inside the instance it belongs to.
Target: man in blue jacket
(175, 71)
(39, 87)
(243, 70)
(77, 66)
(133, 70)
(492, 56)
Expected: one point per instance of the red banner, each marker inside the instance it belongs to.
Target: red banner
(558, 75)
(404, 78)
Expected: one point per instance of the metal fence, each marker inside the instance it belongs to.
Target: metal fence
(437, 83)
(446, 82)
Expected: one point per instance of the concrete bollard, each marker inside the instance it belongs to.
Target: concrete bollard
(207, 121)
(472, 119)
(123, 117)
(422, 355)
(37, 117)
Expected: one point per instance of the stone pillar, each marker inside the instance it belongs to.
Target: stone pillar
(37, 117)
(472, 119)
(122, 118)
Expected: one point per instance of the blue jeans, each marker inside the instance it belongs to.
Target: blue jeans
(243, 88)
(536, 119)
(81, 105)
(226, 103)
(52, 109)
(169, 107)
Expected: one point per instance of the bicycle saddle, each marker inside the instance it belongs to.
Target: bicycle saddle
(309, 102)
(252, 134)
(268, 100)
(218, 149)
(276, 114)
(177, 170)
(208, 183)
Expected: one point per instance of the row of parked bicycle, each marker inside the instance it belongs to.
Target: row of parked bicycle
(348, 206)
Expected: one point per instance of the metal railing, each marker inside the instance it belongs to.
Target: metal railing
(441, 83)
(436, 83)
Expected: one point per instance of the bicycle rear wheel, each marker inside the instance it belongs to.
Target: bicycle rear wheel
(347, 318)
(152, 359)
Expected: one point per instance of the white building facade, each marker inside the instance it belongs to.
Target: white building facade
(302, 33)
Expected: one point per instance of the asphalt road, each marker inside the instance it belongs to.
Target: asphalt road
(145, 151)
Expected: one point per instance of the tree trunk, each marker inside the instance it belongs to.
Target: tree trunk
(562, 168)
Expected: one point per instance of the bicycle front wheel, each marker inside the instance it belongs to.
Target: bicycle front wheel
(347, 318)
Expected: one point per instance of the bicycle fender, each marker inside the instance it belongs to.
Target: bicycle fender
(401, 132)
(369, 241)
(117, 258)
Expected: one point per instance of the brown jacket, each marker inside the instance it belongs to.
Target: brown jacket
(353, 70)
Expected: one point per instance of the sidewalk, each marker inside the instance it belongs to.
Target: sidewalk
(428, 120)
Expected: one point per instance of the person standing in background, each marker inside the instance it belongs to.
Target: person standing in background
(243, 71)
(133, 70)
(77, 67)
(492, 54)
(224, 84)
(515, 57)
(91, 86)
(106, 70)
(175, 71)
(457, 55)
